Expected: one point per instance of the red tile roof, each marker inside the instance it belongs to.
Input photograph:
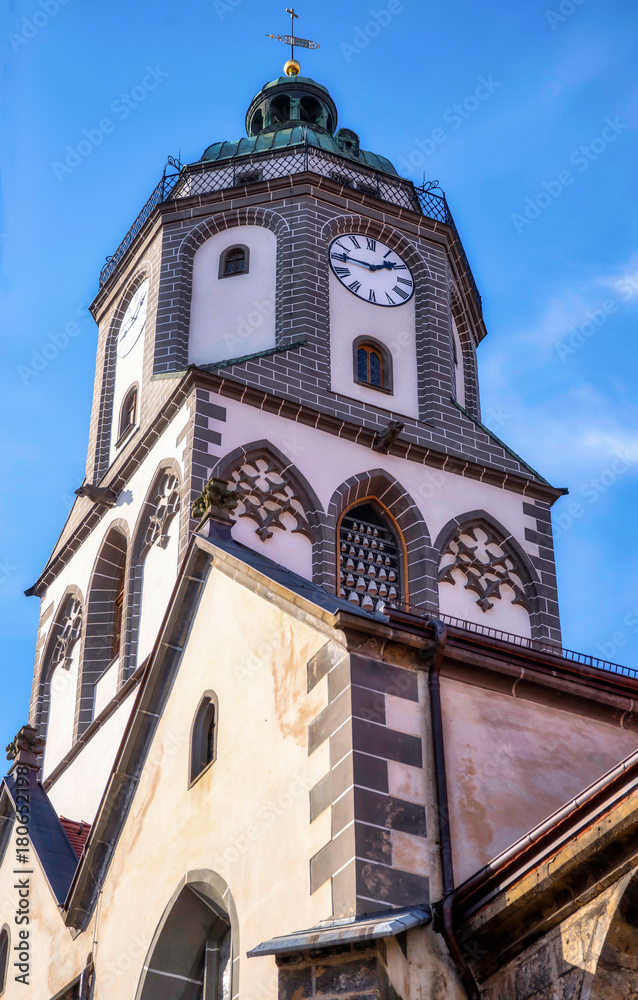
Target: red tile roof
(77, 832)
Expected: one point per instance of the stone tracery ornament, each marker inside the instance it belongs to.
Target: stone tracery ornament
(265, 495)
(165, 505)
(70, 629)
(485, 564)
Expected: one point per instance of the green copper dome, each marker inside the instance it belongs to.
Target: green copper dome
(295, 111)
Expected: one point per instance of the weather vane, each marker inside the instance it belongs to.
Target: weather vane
(292, 67)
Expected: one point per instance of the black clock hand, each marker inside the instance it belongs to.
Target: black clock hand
(371, 267)
(134, 317)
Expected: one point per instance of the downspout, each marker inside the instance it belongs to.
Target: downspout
(445, 839)
(86, 980)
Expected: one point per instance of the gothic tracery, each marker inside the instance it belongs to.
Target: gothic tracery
(479, 554)
(165, 504)
(70, 629)
(265, 494)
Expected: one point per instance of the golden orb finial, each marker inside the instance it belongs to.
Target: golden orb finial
(292, 68)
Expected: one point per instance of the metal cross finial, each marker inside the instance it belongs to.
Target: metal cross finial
(292, 40)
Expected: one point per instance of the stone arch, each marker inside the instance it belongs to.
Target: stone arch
(522, 565)
(299, 494)
(175, 337)
(616, 972)
(201, 904)
(470, 374)
(106, 416)
(163, 502)
(59, 634)
(419, 558)
(429, 356)
(110, 567)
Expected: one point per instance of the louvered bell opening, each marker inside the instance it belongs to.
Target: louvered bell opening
(369, 561)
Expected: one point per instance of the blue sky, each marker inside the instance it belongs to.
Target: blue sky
(526, 113)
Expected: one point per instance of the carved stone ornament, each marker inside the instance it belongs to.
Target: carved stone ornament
(98, 494)
(264, 494)
(165, 505)
(70, 629)
(383, 440)
(216, 501)
(478, 553)
(26, 746)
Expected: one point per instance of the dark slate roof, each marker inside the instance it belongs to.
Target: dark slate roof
(48, 836)
(231, 362)
(299, 135)
(76, 832)
(387, 923)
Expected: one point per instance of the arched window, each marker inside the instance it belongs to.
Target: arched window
(128, 412)
(310, 110)
(369, 558)
(192, 957)
(4, 958)
(279, 110)
(234, 261)
(204, 736)
(372, 364)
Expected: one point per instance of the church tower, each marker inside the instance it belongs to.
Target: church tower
(299, 573)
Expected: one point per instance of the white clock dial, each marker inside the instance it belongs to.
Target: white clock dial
(371, 270)
(133, 321)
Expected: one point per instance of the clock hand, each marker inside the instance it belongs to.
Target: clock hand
(371, 267)
(135, 315)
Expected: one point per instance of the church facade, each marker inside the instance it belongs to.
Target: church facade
(301, 721)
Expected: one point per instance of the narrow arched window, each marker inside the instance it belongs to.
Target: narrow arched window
(204, 736)
(4, 958)
(370, 558)
(128, 413)
(235, 260)
(372, 365)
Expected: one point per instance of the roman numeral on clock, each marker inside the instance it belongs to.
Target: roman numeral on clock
(339, 256)
(399, 291)
(390, 299)
(355, 286)
(371, 296)
(342, 272)
(404, 281)
(372, 244)
(356, 242)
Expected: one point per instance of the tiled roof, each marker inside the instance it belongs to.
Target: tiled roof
(77, 832)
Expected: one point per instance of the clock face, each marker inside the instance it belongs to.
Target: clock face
(133, 321)
(371, 270)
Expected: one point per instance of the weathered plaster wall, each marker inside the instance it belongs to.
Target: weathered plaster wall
(247, 817)
(512, 762)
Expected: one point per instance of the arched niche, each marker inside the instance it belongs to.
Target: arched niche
(106, 620)
(154, 562)
(232, 318)
(485, 577)
(278, 512)
(58, 687)
(379, 488)
(194, 954)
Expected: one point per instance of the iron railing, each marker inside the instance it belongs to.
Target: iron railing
(206, 177)
(539, 645)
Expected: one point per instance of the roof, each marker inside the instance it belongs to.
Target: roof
(48, 835)
(77, 832)
(369, 927)
(300, 135)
